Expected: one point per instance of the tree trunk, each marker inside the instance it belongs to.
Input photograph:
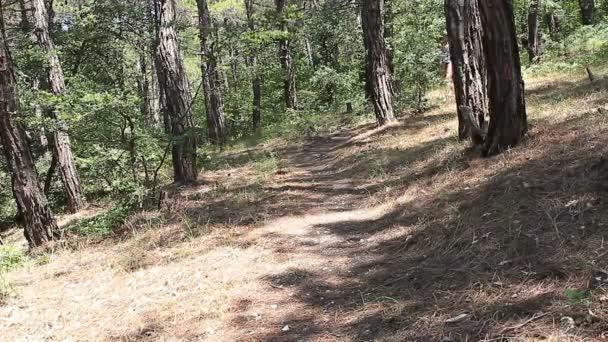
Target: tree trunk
(26, 28)
(32, 204)
(552, 22)
(216, 120)
(508, 119)
(59, 140)
(176, 99)
(24, 22)
(143, 83)
(389, 17)
(289, 73)
(256, 82)
(587, 11)
(534, 38)
(377, 70)
(469, 68)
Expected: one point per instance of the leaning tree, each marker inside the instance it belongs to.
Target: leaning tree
(216, 120)
(508, 119)
(63, 158)
(176, 100)
(534, 32)
(378, 74)
(287, 62)
(40, 225)
(469, 70)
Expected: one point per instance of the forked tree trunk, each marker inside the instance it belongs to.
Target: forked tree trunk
(39, 222)
(256, 81)
(287, 64)
(534, 37)
(176, 99)
(377, 69)
(468, 63)
(60, 140)
(587, 11)
(216, 120)
(508, 119)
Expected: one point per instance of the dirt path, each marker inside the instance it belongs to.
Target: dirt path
(288, 279)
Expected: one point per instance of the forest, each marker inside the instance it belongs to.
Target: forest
(304, 170)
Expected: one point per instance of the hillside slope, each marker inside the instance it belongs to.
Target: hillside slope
(398, 234)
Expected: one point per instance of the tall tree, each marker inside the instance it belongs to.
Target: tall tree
(587, 11)
(378, 75)
(176, 100)
(31, 201)
(287, 63)
(534, 32)
(256, 80)
(216, 120)
(508, 119)
(389, 18)
(468, 63)
(552, 19)
(60, 140)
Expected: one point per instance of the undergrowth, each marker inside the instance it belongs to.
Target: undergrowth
(11, 257)
(103, 224)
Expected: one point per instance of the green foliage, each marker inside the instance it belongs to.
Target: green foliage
(419, 30)
(11, 257)
(7, 205)
(103, 224)
(576, 296)
(587, 45)
(267, 164)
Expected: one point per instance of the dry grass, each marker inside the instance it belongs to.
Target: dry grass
(365, 235)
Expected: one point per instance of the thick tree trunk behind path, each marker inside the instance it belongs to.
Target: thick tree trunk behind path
(216, 120)
(176, 98)
(256, 80)
(287, 64)
(587, 11)
(377, 69)
(534, 37)
(468, 63)
(60, 140)
(508, 119)
(40, 225)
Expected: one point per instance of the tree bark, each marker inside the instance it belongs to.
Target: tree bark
(587, 11)
(534, 33)
(552, 22)
(377, 69)
(389, 17)
(468, 63)
(216, 120)
(508, 119)
(256, 80)
(176, 98)
(39, 222)
(24, 22)
(143, 84)
(287, 64)
(59, 139)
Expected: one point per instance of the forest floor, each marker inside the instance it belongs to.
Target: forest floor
(394, 234)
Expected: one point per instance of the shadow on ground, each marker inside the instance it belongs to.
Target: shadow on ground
(502, 251)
